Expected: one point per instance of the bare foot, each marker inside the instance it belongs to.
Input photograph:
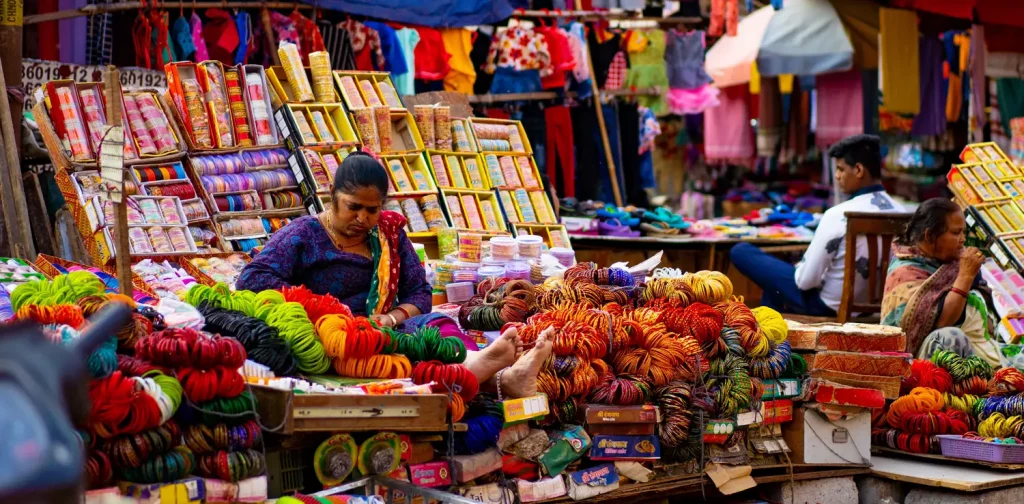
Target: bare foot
(497, 356)
(521, 379)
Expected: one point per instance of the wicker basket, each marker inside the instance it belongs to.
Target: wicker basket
(888, 385)
(956, 446)
(865, 363)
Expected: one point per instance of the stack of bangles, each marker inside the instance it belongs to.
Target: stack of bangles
(265, 158)
(232, 466)
(244, 202)
(202, 439)
(183, 190)
(159, 173)
(242, 227)
(283, 199)
(134, 450)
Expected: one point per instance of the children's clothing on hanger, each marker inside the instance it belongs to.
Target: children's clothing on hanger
(243, 23)
(365, 45)
(338, 45)
(404, 82)
(431, 56)
(221, 36)
(603, 48)
(458, 43)
(181, 38)
(202, 54)
(617, 72)
(690, 91)
(647, 70)
(518, 58)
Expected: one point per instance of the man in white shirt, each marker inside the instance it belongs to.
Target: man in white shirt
(815, 285)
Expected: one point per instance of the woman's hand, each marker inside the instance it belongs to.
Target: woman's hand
(971, 260)
(384, 320)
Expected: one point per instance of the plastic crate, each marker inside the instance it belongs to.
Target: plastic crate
(286, 470)
(973, 449)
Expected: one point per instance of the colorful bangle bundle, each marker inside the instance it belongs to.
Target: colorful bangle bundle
(235, 228)
(170, 466)
(202, 439)
(283, 200)
(183, 190)
(446, 377)
(249, 181)
(232, 466)
(133, 450)
(259, 159)
(159, 173)
(244, 202)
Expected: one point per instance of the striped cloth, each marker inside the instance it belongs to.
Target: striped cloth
(338, 45)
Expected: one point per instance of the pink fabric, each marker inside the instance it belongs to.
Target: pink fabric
(692, 101)
(727, 134)
(840, 106)
(197, 38)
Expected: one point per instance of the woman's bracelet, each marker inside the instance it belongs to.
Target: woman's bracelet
(958, 291)
(404, 312)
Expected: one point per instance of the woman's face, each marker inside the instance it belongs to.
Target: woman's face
(356, 213)
(946, 247)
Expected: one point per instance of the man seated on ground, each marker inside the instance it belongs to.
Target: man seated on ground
(815, 285)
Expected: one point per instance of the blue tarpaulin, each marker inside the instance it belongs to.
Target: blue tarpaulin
(436, 13)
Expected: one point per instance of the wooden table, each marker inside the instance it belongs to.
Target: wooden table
(937, 473)
(687, 253)
(690, 484)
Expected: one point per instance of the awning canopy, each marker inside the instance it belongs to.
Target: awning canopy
(435, 13)
(806, 37)
(729, 61)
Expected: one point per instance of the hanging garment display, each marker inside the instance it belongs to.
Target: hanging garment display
(690, 92)
(647, 70)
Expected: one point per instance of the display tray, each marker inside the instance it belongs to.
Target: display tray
(350, 413)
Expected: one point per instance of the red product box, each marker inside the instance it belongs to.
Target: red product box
(849, 396)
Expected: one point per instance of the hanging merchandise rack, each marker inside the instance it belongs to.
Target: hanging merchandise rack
(94, 9)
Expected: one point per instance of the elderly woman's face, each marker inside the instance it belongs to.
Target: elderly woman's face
(946, 247)
(356, 214)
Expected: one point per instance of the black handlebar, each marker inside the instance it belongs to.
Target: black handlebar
(102, 325)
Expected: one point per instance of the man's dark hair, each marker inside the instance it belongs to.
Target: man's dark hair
(863, 149)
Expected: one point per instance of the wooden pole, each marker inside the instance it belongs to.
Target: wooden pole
(12, 196)
(601, 126)
(122, 256)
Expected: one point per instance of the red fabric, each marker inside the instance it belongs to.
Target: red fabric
(497, 113)
(310, 39)
(221, 35)
(953, 8)
(389, 225)
(562, 60)
(1000, 38)
(430, 56)
(1002, 12)
(560, 150)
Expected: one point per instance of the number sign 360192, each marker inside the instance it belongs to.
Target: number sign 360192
(35, 73)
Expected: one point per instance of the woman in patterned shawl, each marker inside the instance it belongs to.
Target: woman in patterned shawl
(933, 290)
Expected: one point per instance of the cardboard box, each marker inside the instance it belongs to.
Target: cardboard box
(430, 474)
(783, 388)
(625, 448)
(187, 491)
(849, 396)
(517, 410)
(814, 439)
(771, 412)
(595, 414)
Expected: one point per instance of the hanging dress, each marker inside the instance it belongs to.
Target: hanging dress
(691, 92)
(647, 70)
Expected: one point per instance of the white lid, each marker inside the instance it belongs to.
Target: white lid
(530, 239)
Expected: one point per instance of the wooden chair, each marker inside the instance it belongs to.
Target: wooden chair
(878, 229)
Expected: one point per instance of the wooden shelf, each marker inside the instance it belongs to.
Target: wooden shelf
(350, 413)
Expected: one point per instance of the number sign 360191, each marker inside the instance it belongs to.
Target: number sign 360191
(35, 73)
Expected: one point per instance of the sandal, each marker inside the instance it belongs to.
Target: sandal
(614, 228)
(659, 228)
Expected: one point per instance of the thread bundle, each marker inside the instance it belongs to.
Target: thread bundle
(498, 301)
